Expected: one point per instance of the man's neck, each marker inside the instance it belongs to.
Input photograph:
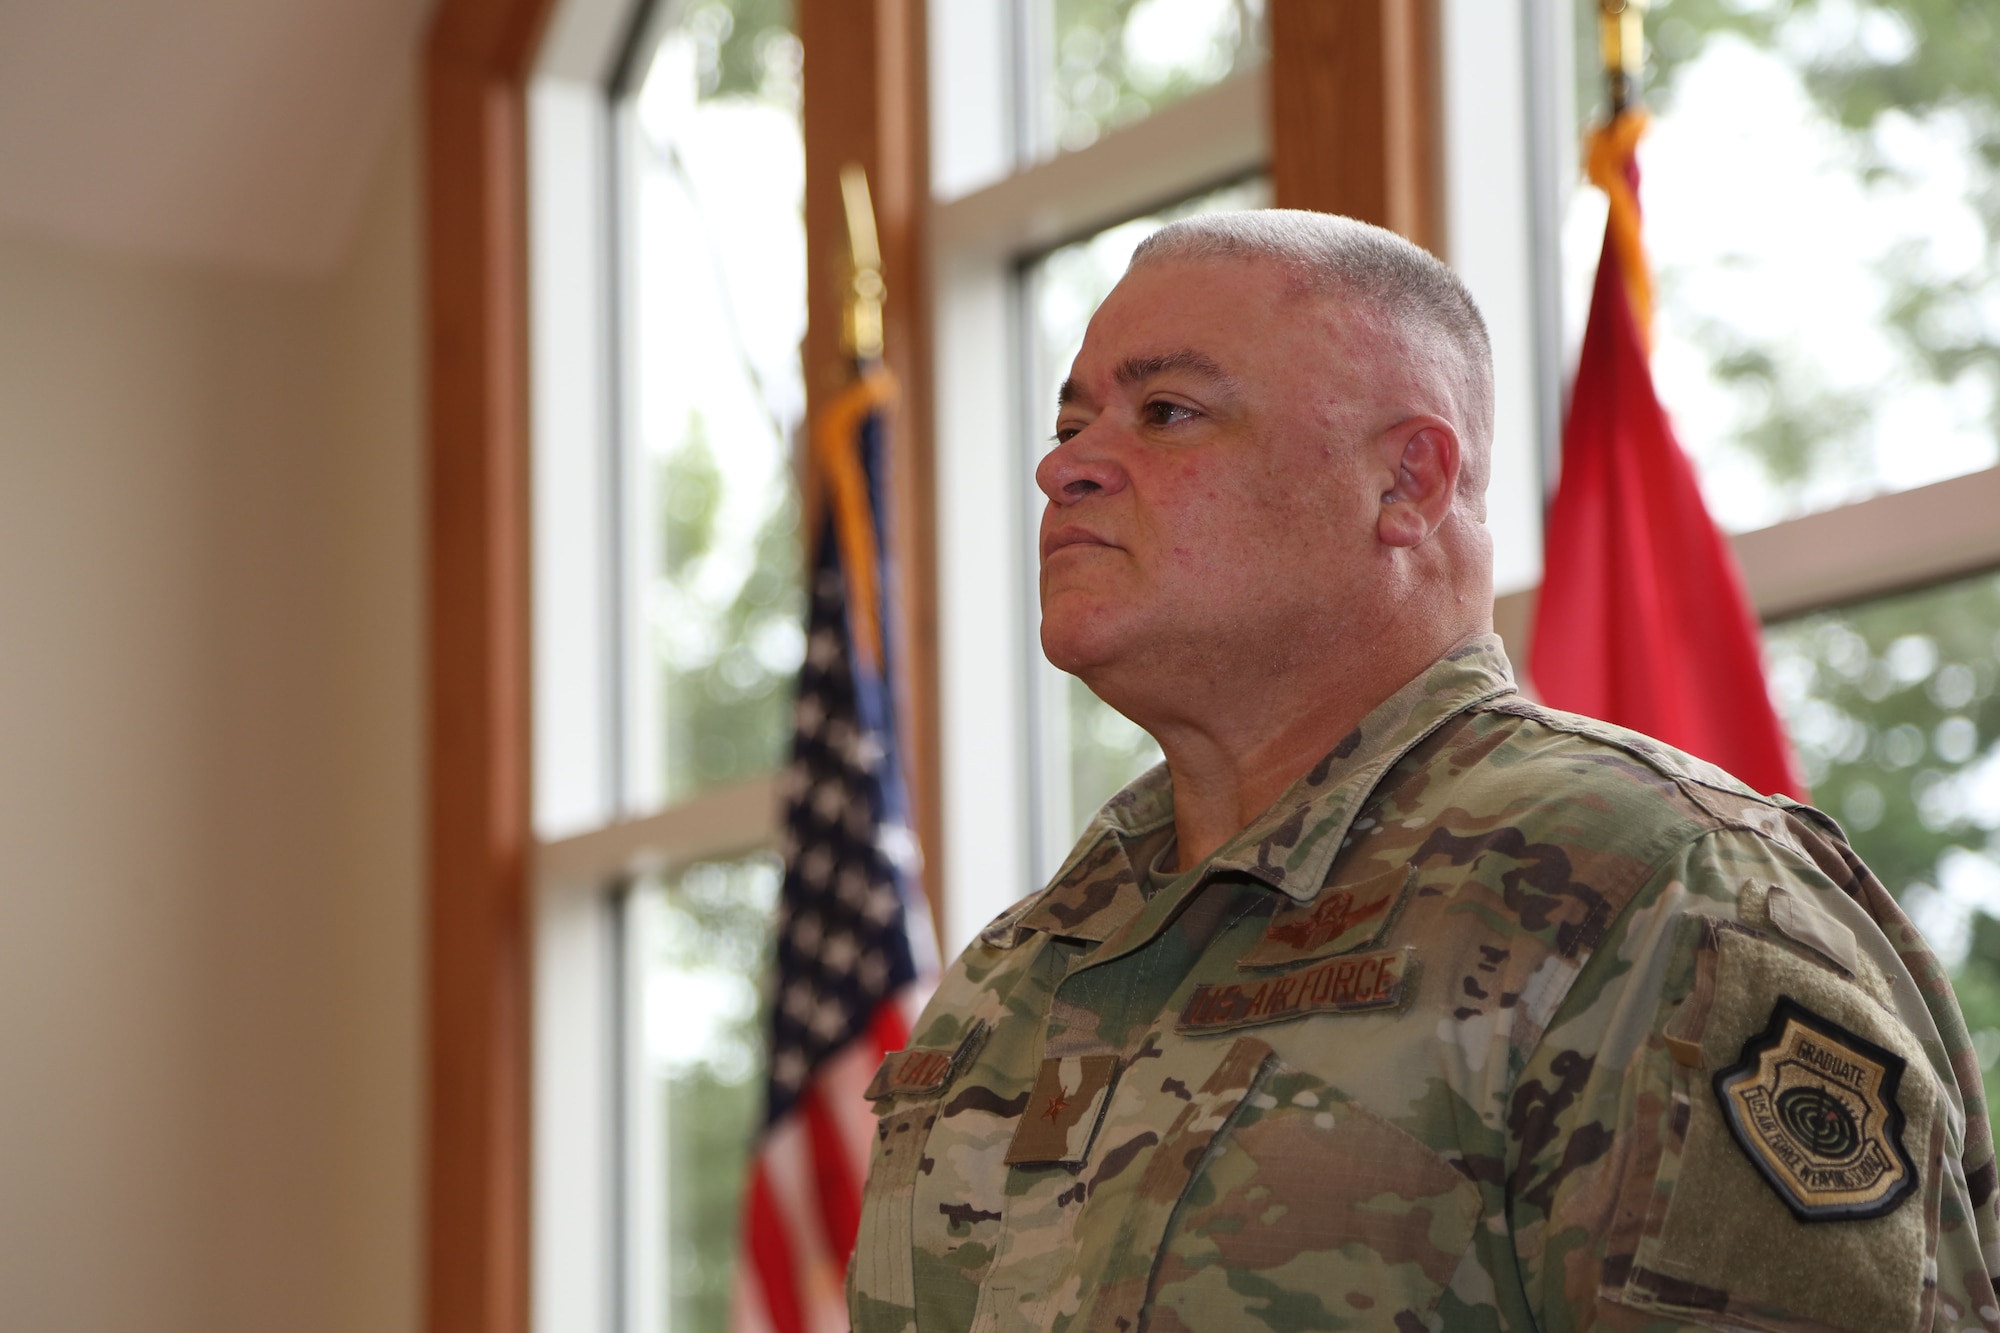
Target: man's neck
(1231, 761)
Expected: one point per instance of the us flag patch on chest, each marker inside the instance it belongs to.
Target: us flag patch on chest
(1814, 1108)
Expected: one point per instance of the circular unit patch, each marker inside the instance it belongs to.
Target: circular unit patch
(1814, 1108)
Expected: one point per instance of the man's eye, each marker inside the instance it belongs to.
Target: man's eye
(1160, 413)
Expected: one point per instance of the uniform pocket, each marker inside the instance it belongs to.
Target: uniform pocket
(881, 1281)
(1297, 1208)
(1314, 1212)
(1127, 1265)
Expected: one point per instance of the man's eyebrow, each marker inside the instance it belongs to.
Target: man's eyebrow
(1137, 369)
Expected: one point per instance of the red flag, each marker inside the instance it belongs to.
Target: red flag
(1643, 618)
(855, 954)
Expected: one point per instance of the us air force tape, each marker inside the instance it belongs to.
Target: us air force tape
(1351, 983)
(1814, 1108)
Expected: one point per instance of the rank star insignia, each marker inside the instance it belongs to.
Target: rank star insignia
(1814, 1108)
(1070, 1093)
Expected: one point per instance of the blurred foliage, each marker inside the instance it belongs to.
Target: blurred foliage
(1873, 68)
(732, 653)
(1806, 422)
(1110, 67)
(729, 669)
(746, 48)
(717, 923)
(731, 636)
(1894, 705)
(1977, 984)
(710, 1122)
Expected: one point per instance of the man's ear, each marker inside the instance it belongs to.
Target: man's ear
(1424, 454)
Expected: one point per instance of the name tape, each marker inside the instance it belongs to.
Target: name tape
(922, 1070)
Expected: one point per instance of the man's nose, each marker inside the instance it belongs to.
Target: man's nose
(1078, 467)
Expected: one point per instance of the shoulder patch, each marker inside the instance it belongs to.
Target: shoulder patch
(1814, 1108)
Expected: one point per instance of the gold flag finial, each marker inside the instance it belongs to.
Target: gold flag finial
(1621, 30)
(861, 327)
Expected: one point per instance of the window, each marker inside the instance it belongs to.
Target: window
(699, 943)
(670, 303)
(1101, 64)
(717, 288)
(1033, 79)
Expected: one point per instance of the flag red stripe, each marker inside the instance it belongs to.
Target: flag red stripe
(889, 1028)
(771, 1253)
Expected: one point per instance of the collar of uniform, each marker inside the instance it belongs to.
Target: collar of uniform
(1098, 888)
(1291, 846)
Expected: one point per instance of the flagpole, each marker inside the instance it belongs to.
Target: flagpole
(1621, 31)
(861, 323)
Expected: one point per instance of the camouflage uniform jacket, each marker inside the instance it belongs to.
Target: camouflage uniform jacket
(1499, 1019)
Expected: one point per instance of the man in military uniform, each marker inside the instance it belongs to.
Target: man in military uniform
(1392, 1000)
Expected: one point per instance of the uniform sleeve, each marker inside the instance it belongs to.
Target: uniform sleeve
(1746, 1112)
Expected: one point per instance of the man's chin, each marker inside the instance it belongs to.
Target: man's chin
(1079, 645)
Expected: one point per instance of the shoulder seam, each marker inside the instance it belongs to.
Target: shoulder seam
(1689, 783)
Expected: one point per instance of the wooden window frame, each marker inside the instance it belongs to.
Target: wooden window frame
(476, 62)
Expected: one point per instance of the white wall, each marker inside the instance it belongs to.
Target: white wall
(210, 799)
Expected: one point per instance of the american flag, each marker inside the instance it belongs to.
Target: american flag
(854, 945)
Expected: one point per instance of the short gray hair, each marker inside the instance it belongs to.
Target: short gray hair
(1337, 256)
